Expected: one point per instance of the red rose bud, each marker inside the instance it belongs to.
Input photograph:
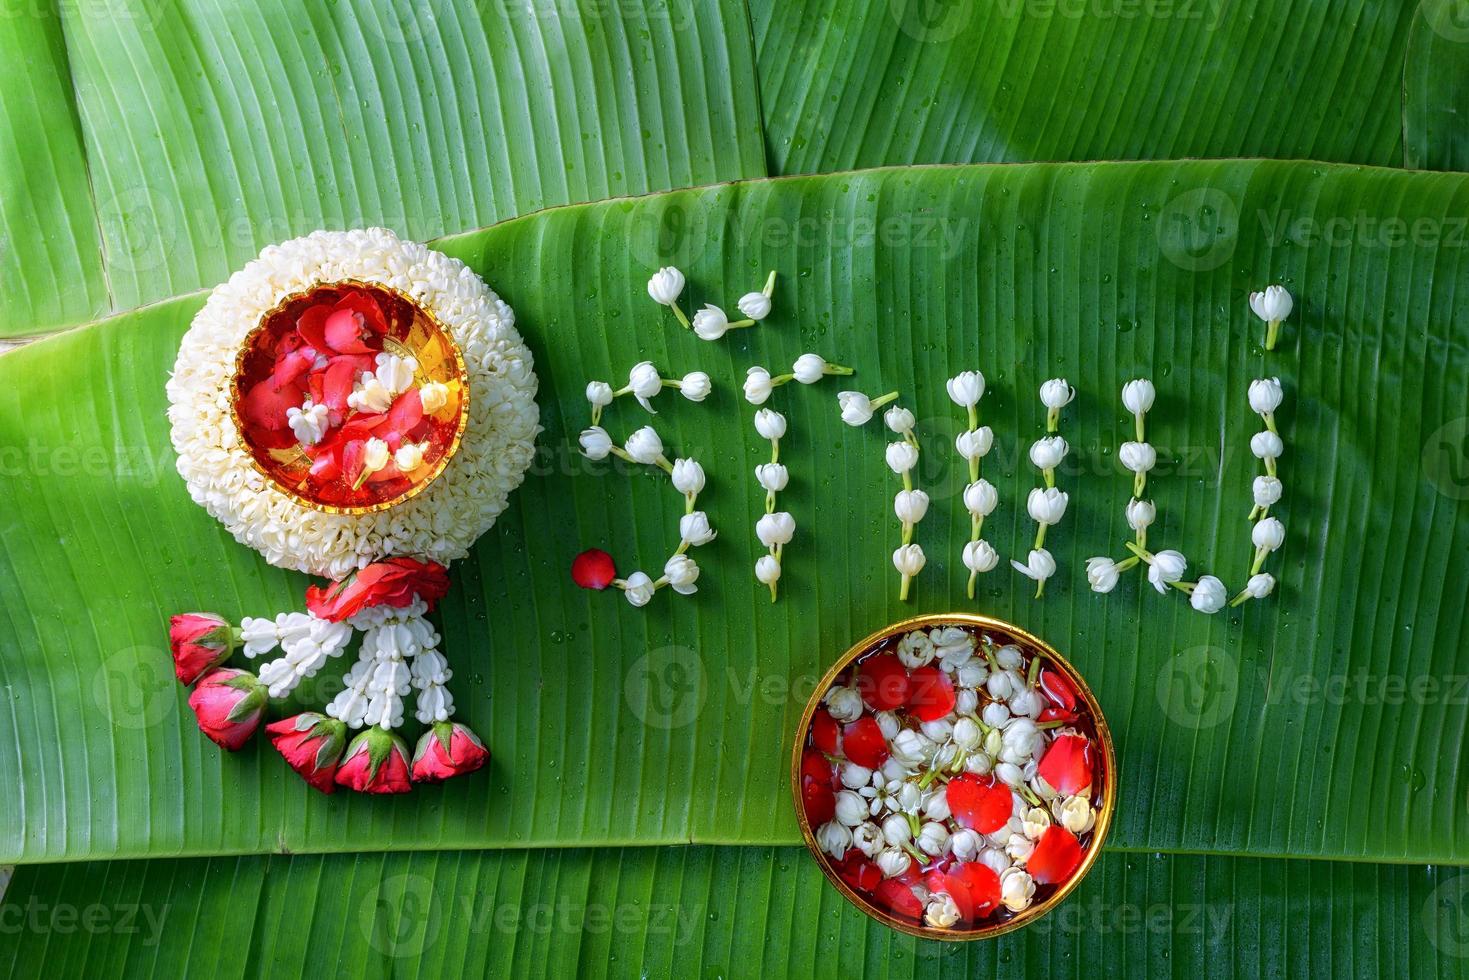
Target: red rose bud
(593, 569)
(447, 749)
(229, 704)
(199, 641)
(391, 582)
(376, 762)
(312, 745)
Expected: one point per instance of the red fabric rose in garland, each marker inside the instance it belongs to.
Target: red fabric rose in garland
(445, 750)
(376, 762)
(199, 641)
(312, 745)
(229, 704)
(391, 582)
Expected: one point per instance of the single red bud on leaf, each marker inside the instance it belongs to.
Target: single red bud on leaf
(312, 745)
(229, 704)
(593, 569)
(376, 762)
(447, 749)
(200, 642)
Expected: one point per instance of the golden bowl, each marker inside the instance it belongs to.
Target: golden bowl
(1031, 646)
(410, 330)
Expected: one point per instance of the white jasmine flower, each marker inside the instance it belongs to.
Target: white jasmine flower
(1046, 506)
(910, 505)
(1077, 814)
(1140, 514)
(994, 859)
(980, 557)
(694, 528)
(933, 839)
(409, 456)
(908, 797)
(1138, 457)
(1009, 657)
(1056, 393)
(915, 650)
(434, 396)
(981, 498)
(1209, 595)
(644, 446)
(688, 476)
(941, 911)
(1267, 490)
(1101, 574)
(644, 382)
(1009, 774)
(939, 730)
(1034, 822)
(375, 456)
(1021, 738)
(775, 529)
(895, 829)
(867, 838)
(755, 305)
(396, 372)
(1266, 445)
(1017, 889)
(889, 723)
(1166, 568)
(767, 570)
(1039, 565)
(1265, 395)
(595, 442)
(370, 396)
(966, 388)
(902, 457)
(981, 763)
(892, 861)
(971, 673)
(1047, 452)
(966, 734)
(695, 386)
(1273, 304)
(772, 476)
(809, 368)
(856, 407)
(308, 423)
(936, 807)
(844, 704)
(1001, 685)
(638, 588)
(682, 572)
(770, 424)
(996, 714)
(1018, 848)
(757, 385)
(599, 394)
(975, 443)
(1261, 585)
(909, 747)
(854, 776)
(1028, 702)
(710, 323)
(909, 560)
(899, 419)
(834, 839)
(1138, 395)
(851, 809)
(1268, 534)
(965, 844)
(666, 285)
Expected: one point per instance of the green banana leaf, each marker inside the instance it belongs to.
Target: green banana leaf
(708, 911)
(1323, 722)
(1436, 87)
(187, 134)
(952, 81)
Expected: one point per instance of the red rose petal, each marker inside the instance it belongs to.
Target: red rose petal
(1058, 689)
(858, 872)
(266, 403)
(930, 694)
(341, 374)
(407, 412)
(883, 681)
(899, 897)
(864, 744)
(346, 331)
(982, 885)
(824, 732)
(980, 803)
(290, 366)
(311, 324)
(1055, 857)
(1067, 764)
(815, 768)
(593, 569)
(819, 801)
(364, 303)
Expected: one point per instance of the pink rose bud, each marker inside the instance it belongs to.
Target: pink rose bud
(447, 749)
(312, 745)
(199, 641)
(229, 704)
(376, 762)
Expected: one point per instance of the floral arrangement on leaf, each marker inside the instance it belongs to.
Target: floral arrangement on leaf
(952, 780)
(359, 408)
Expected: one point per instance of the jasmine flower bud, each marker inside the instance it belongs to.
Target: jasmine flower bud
(996, 714)
(834, 839)
(1039, 565)
(1166, 568)
(936, 807)
(889, 724)
(638, 588)
(767, 570)
(1019, 847)
(854, 776)
(1140, 514)
(775, 529)
(1273, 304)
(1047, 452)
(1009, 774)
(902, 457)
(809, 368)
(843, 703)
(892, 861)
(941, 912)
(994, 859)
(1261, 585)
(1056, 393)
(375, 456)
(1027, 704)
(965, 844)
(1267, 490)
(933, 839)
(644, 446)
(666, 285)
(1101, 574)
(682, 572)
(966, 734)
(599, 393)
(1268, 535)
(770, 424)
(695, 386)
(1046, 506)
(856, 407)
(1266, 445)
(772, 476)
(981, 498)
(1209, 595)
(1138, 457)
(980, 556)
(939, 730)
(595, 442)
(757, 385)
(915, 650)
(756, 305)
(975, 443)
(1138, 395)
(910, 748)
(710, 323)
(434, 396)
(909, 560)
(900, 420)
(694, 528)
(972, 673)
(409, 456)
(1077, 815)
(896, 831)
(910, 505)
(688, 476)
(1265, 395)
(966, 388)
(851, 809)
(867, 838)
(308, 423)
(1009, 657)
(643, 381)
